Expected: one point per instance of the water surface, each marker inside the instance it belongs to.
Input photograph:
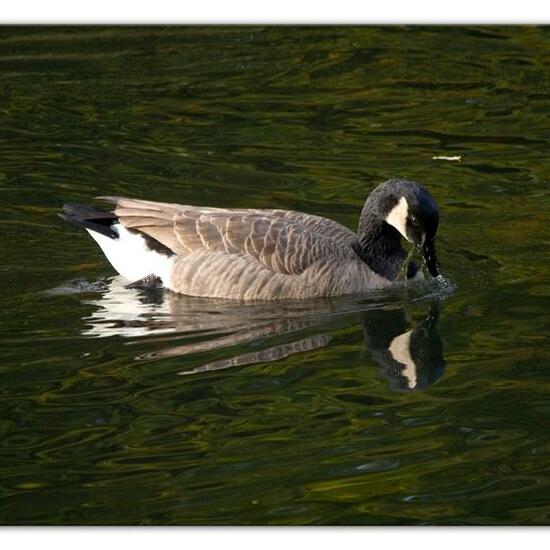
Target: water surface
(125, 407)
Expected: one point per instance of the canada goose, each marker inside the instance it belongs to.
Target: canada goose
(252, 254)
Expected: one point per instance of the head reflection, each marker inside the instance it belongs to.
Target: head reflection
(410, 355)
(411, 358)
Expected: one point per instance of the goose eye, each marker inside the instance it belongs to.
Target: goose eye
(414, 221)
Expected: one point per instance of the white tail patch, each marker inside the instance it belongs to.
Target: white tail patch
(398, 216)
(131, 257)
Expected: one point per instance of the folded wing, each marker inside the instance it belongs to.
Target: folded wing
(282, 241)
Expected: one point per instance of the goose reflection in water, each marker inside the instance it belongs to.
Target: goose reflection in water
(410, 357)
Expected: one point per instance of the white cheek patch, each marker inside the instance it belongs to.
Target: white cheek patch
(398, 216)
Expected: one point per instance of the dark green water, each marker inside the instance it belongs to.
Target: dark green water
(287, 413)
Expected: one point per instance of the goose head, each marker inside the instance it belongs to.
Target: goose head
(409, 209)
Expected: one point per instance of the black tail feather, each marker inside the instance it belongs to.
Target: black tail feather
(91, 218)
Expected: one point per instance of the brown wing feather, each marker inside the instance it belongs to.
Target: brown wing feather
(283, 241)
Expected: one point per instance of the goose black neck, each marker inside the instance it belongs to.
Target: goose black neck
(380, 247)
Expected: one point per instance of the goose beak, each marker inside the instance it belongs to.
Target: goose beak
(427, 249)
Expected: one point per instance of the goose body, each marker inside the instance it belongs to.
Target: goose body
(256, 254)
